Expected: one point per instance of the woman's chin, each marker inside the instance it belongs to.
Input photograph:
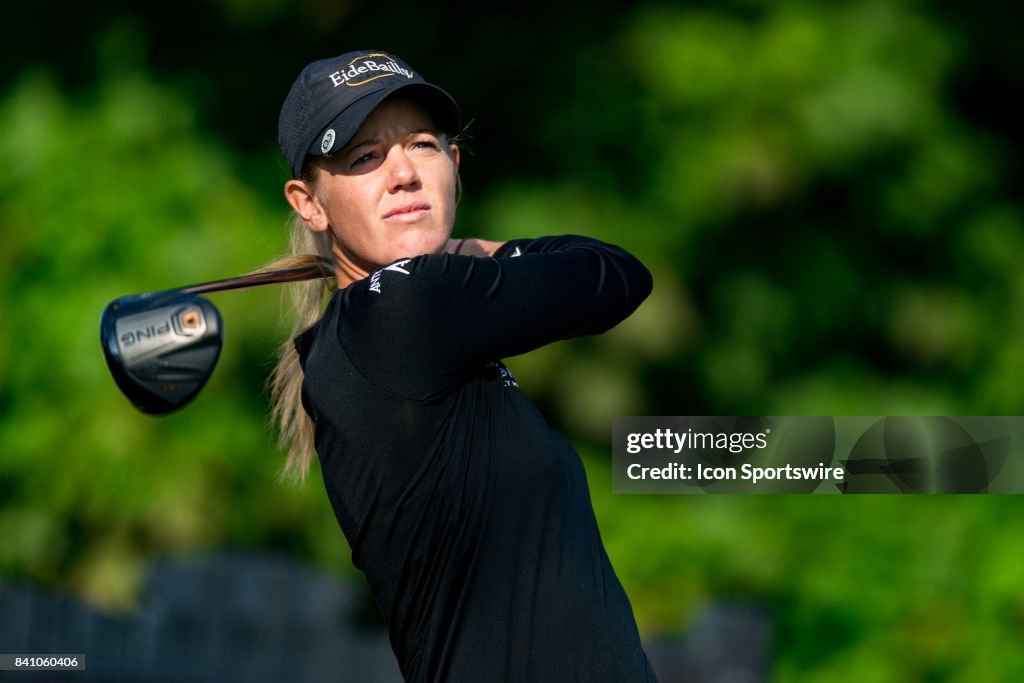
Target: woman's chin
(417, 245)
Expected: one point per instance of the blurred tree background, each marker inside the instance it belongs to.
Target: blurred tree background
(828, 194)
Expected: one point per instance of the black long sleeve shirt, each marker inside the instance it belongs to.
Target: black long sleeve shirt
(469, 516)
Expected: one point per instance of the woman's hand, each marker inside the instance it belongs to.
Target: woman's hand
(472, 246)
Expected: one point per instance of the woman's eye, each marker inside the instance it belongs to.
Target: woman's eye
(363, 159)
(425, 144)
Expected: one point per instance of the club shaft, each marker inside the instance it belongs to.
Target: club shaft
(310, 272)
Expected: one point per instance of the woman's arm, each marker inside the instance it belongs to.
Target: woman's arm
(420, 324)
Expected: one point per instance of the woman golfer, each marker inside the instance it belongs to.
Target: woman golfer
(469, 516)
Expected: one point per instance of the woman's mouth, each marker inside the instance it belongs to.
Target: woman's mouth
(407, 213)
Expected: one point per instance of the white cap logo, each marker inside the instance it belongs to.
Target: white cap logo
(327, 142)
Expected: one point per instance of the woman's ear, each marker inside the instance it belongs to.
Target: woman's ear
(302, 198)
(455, 155)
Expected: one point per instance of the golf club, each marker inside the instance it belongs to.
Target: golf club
(161, 347)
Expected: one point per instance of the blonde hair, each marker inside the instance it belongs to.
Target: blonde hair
(295, 428)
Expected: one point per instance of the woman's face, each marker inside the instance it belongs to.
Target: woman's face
(389, 194)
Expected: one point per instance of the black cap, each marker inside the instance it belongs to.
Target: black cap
(332, 98)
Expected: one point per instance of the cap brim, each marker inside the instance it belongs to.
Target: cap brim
(346, 124)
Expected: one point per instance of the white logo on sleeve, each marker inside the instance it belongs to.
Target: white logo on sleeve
(507, 379)
(517, 253)
(395, 267)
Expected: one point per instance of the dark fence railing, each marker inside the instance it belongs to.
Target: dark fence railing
(259, 619)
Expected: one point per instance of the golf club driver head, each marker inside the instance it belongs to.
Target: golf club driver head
(161, 347)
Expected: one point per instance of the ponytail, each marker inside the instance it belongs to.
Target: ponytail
(295, 428)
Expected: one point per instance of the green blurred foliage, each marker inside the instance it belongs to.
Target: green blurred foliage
(826, 192)
(865, 588)
(111, 194)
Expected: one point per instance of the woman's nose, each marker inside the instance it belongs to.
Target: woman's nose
(401, 169)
